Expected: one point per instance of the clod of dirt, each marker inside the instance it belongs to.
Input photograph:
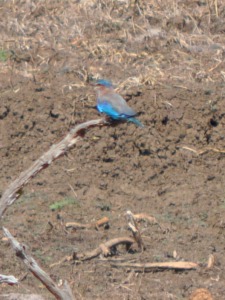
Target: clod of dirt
(4, 112)
(201, 294)
(54, 113)
(213, 122)
(183, 23)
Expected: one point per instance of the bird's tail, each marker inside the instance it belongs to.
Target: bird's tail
(136, 121)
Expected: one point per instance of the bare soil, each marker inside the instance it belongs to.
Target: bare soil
(167, 60)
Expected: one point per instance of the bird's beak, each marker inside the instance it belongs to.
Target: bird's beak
(92, 83)
(95, 85)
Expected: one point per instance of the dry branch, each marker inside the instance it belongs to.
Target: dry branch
(13, 192)
(108, 245)
(63, 293)
(140, 267)
(104, 249)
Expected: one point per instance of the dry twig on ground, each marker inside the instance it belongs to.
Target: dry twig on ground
(146, 267)
(144, 216)
(95, 225)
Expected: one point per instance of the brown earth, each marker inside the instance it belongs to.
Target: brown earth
(167, 60)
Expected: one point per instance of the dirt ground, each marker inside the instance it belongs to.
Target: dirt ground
(167, 60)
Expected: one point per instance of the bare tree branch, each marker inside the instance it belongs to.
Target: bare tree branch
(13, 192)
(62, 293)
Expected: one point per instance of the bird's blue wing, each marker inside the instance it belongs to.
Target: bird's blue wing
(106, 108)
(115, 106)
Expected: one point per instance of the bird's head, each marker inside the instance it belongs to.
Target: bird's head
(103, 84)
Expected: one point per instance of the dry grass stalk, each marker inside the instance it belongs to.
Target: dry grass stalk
(200, 152)
(13, 192)
(62, 293)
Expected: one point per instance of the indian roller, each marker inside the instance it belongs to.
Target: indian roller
(112, 104)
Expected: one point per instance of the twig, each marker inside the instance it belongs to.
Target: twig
(151, 220)
(95, 225)
(211, 262)
(8, 279)
(134, 228)
(139, 267)
(13, 192)
(216, 8)
(144, 216)
(63, 293)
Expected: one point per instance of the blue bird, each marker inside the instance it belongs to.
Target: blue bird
(112, 104)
